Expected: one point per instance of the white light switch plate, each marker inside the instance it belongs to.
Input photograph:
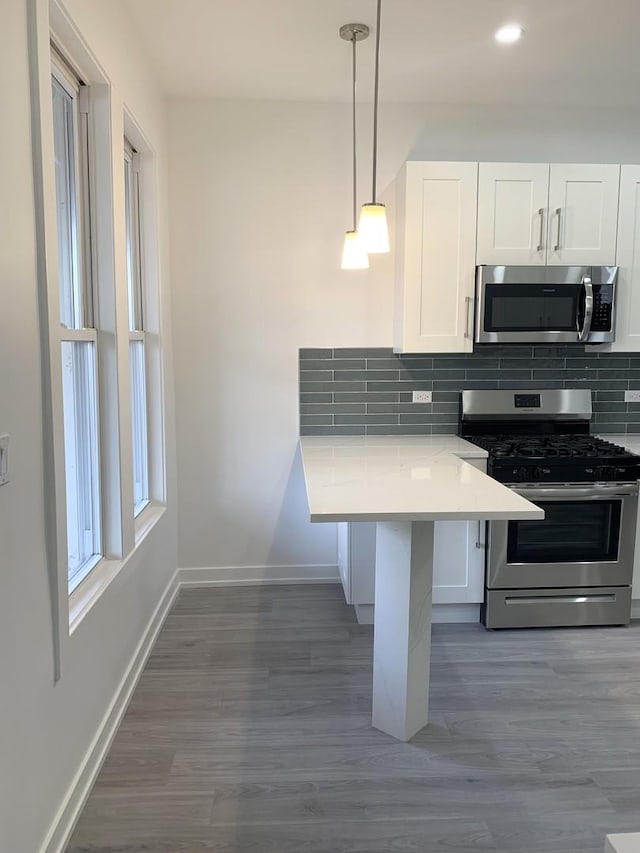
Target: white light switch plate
(422, 397)
(4, 459)
(632, 396)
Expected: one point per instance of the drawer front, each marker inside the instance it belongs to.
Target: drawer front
(548, 608)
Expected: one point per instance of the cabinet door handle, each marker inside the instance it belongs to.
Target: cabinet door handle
(541, 236)
(479, 542)
(559, 215)
(467, 300)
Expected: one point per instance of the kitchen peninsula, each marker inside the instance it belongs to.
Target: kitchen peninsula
(404, 484)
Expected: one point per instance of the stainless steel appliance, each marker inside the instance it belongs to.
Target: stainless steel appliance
(539, 304)
(575, 567)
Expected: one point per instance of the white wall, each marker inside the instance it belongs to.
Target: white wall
(45, 730)
(260, 196)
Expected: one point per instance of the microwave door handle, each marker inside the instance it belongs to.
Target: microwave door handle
(583, 334)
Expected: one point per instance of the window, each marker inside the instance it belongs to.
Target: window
(78, 337)
(137, 353)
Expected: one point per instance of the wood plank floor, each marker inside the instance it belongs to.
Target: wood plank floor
(249, 733)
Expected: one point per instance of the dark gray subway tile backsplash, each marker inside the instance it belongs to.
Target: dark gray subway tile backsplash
(352, 391)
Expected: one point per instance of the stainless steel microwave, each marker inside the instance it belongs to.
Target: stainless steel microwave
(540, 304)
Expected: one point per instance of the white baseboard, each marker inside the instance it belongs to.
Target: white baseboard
(635, 609)
(73, 803)
(447, 613)
(250, 575)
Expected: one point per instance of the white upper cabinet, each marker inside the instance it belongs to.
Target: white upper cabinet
(628, 259)
(512, 213)
(435, 272)
(533, 213)
(583, 214)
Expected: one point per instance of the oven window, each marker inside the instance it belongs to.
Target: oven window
(531, 307)
(572, 531)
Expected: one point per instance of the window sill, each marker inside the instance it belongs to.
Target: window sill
(146, 520)
(89, 591)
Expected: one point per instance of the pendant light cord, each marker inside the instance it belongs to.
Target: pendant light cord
(375, 104)
(355, 167)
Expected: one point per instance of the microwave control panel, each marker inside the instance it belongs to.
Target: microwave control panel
(602, 304)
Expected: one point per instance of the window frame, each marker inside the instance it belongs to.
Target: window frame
(141, 460)
(52, 28)
(83, 330)
(72, 82)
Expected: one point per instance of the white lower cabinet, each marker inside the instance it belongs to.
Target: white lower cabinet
(356, 560)
(458, 562)
(458, 569)
(459, 549)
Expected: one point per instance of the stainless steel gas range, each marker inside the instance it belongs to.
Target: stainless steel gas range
(575, 567)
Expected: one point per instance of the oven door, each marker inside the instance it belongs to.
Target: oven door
(587, 538)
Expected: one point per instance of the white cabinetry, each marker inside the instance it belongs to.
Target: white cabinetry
(435, 273)
(533, 213)
(513, 203)
(356, 560)
(583, 214)
(628, 259)
(458, 569)
(458, 562)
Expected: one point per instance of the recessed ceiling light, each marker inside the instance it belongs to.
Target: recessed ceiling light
(509, 34)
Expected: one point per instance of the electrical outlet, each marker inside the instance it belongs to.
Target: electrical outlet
(632, 396)
(422, 397)
(4, 459)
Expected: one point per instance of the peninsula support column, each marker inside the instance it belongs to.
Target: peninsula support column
(402, 626)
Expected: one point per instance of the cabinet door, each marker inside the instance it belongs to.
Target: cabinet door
(458, 562)
(436, 237)
(628, 259)
(583, 214)
(512, 213)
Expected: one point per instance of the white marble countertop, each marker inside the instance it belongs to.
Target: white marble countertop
(408, 477)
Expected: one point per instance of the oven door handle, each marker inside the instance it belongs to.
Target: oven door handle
(594, 493)
(583, 333)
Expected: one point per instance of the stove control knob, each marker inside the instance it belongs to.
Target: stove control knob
(604, 473)
(536, 474)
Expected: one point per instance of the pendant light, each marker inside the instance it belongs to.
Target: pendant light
(354, 255)
(373, 228)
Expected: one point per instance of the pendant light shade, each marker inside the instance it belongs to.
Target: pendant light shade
(373, 227)
(354, 254)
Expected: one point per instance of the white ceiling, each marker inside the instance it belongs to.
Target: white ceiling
(574, 52)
